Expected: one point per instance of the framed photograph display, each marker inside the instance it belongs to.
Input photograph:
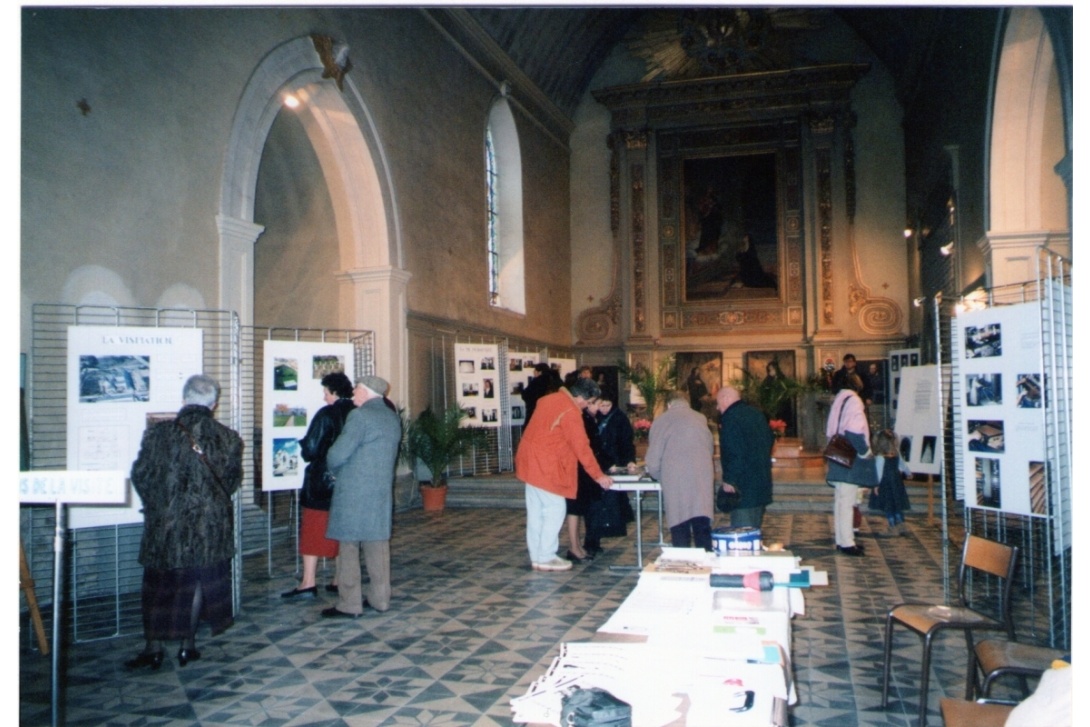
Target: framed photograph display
(293, 372)
(999, 408)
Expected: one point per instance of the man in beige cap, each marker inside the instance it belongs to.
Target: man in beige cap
(360, 516)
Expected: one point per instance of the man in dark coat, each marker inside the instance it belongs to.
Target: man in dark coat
(745, 453)
(361, 516)
(186, 473)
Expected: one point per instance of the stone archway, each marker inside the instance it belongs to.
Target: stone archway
(341, 130)
(1028, 201)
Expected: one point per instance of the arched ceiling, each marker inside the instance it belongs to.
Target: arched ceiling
(560, 48)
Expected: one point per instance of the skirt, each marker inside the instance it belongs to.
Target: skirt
(167, 601)
(312, 539)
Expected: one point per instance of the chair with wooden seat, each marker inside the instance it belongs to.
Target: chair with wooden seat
(999, 658)
(981, 556)
(963, 713)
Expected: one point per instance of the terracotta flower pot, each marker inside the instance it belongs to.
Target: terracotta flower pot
(433, 498)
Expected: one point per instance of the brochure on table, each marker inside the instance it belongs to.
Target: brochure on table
(119, 380)
(1000, 412)
(292, 386)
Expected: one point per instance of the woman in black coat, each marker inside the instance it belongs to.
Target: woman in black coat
(186, 474)
(317, 492)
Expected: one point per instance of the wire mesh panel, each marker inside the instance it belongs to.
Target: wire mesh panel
(102, 597)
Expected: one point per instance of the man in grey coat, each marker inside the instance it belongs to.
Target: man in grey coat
(360, 516)
(680, 456)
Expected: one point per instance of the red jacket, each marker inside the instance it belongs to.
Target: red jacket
(553, 446)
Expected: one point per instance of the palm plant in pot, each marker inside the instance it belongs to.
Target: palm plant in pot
(435, 440)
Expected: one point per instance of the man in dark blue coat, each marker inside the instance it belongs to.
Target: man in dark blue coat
(745, 453)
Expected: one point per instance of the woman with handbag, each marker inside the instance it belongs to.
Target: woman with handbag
(848, 467)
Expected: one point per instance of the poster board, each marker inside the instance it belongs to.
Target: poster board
(292, 393)
(520, 370)
(562, 366)
(899, 359)
(119, 380)
(918, 422)
(1000, 411)
(477, 383)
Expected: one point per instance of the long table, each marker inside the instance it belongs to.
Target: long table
(638, 483)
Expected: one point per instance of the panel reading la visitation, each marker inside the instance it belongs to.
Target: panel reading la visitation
(731, 232)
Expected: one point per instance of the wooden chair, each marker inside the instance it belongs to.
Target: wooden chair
(929, 620)
(962, 713)
(999, 658)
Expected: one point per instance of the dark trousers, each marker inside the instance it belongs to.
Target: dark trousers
(693, 533)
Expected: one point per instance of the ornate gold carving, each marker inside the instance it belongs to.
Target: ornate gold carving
(600, 324)
(639, 252)
(614, 185)
(636, 139)
(825, 230)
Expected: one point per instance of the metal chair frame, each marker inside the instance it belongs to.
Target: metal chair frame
(930, 620)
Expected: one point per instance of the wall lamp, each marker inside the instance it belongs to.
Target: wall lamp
(948, 249)
(918, 302)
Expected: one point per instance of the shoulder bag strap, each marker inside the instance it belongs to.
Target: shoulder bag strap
(201, 455)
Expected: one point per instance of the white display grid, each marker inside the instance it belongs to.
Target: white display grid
(477, 383)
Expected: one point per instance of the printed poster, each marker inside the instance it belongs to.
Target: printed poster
(520, 371)
(292, 394)
(477, 382)
(120, 379)
(918, 422)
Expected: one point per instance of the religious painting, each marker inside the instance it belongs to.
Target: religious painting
(765, 368)
(730, 227)
(700, 375)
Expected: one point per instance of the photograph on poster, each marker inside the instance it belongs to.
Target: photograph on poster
(515, 364)
(286, 415)
(487, 390)
(466, 367)
(518, 388)
(470, 389)
(983, 341)
(285, 457)
(894, 362)
(1028, 390)
(114, 378)
(986, 436)
(1038, 497)
(488, 415)
(983, 389)
(904, 360)
(323, 365)
(516, 412)
(285, 374)
(488, 363)
(914, 359)
(927, 451)
(906, 448)
(987, 482)
(471, 412)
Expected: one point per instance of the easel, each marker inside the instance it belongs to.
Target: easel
(26, 582)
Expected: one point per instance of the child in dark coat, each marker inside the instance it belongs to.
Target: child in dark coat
(890, 495)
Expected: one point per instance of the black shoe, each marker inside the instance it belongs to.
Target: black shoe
(575, 558)
(145, 659)
(187, 655)
(332, 588)
(592, 549)
(311, 592)
(852, 550)
(334, 612)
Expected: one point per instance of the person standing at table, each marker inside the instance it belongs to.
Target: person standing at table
(552, 446)
(186, 473)
(745, 456)
(680, 456)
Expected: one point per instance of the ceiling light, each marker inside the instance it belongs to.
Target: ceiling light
(291, 101)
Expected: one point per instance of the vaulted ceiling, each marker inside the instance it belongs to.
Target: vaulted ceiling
(561, 48)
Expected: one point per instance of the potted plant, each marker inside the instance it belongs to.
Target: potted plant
(435, 440)
(652, 385)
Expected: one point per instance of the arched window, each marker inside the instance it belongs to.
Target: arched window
(503, 176)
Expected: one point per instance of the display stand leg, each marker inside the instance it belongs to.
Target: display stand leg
(26, 582)
(58, 580)
(639, 540)
(931, 499)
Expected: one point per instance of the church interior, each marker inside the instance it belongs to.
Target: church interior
(713, 190)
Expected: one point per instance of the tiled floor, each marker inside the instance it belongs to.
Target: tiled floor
(471, 625)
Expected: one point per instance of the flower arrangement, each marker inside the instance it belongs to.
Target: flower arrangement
(778, 427)
(642, 428)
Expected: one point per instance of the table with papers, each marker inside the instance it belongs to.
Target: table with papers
(684, 653)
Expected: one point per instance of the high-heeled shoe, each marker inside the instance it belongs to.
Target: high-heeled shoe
(311, 592)
(154, 660)
(575, 558)
(187, 655)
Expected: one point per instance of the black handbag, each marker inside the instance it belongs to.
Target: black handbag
(839, 450)
(594, 707)
(726, 501)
